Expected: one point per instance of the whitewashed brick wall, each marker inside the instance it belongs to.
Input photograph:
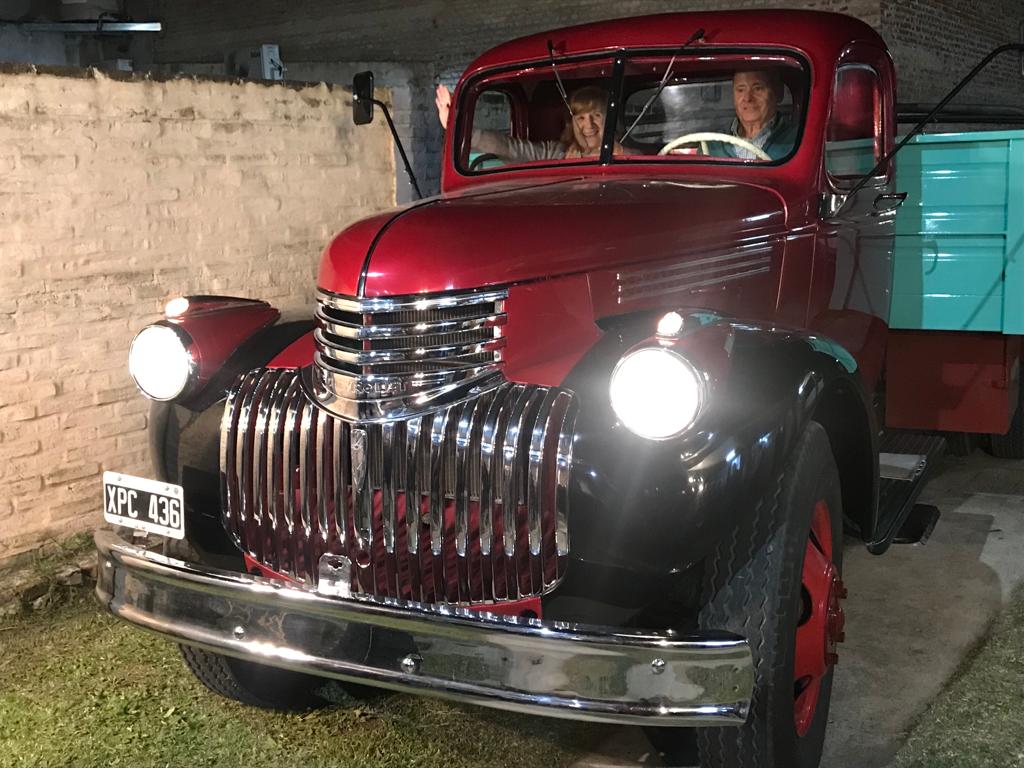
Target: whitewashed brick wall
(118, 195)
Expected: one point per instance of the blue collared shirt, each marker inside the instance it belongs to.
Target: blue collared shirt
(776, 138)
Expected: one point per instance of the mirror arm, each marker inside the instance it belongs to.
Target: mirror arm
(401, 149)
(927, 118)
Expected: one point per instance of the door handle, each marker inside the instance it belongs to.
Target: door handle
(889, 201)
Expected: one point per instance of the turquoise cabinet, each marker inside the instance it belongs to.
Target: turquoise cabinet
(958, 263)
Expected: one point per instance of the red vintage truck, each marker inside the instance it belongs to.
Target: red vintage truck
(581, 435)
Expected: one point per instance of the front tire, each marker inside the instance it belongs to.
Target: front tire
(776, 581)
(256, 685)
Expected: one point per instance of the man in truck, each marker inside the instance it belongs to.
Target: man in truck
(756, 95)
(756, 98)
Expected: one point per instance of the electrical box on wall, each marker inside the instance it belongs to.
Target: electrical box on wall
(263, 63)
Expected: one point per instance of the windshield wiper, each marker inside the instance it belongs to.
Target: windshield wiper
(558, 78)
(664, 81)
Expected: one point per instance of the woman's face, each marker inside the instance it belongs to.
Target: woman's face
(588, 128)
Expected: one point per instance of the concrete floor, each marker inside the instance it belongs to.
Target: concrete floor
(912, 616)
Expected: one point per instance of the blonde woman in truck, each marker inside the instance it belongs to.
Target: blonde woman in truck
(581, 137)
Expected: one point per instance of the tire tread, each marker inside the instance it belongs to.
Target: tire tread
(767, 550)
(215, 672)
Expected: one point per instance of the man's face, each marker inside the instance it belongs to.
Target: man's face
(754, 98)
(588, 127)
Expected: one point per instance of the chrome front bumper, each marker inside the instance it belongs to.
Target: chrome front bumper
(573, 671)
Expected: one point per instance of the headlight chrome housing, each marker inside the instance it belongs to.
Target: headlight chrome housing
(656, 393)
(162, 362)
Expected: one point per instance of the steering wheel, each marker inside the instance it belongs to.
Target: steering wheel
(706, 136)
(479, 160)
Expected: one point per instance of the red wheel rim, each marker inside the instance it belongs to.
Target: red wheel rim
(820, 629)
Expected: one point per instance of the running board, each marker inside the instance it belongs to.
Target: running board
(905, 463)
(918, 526)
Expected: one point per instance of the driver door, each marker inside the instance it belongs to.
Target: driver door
(851, 289)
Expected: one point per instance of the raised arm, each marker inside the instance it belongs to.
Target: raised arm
(495, 142)
(443, 100)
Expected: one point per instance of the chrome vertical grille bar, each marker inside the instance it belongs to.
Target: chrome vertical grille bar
(394, 479)
(414, 437)
(526, 565)
(325, 467)
(243, 459)
(465, 427)
(363, 496)
(510, 489)
(374, 471)
(449, 558)
(563, 463)
(310, 438)
(259, 451)
(341, 480)
(292, 420)
(534, 489)
(292, 474)
(306, 471)
(229, 468)
(273, 462)
(472, 474)
(412, 485)
(387, 486)
(507, 399)
(509, 495)
(488, 439)
(459, 478)
(425, 473)
(437, 480)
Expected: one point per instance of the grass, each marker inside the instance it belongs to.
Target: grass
(978, 720)
(79, 688)
(58, 554)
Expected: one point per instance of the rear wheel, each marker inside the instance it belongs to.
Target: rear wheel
(254, 684)
(777, 582)
(960, 443)
(1011, 445)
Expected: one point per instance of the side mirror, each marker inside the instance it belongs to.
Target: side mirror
(362, 98)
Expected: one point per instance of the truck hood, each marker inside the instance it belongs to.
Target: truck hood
(514, 235)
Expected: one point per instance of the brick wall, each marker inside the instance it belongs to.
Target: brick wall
(412, 108)
(446, 33)
(411, 86)
(118, 195)
(934, 42)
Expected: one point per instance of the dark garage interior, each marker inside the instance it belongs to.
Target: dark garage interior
(154, 149)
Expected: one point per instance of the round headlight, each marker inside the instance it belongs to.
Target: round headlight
(656, 393)
(160, 362)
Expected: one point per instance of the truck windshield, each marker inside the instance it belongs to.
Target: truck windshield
(727, 108)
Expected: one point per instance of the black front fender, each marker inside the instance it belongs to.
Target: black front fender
(660, 507)
(184, 441)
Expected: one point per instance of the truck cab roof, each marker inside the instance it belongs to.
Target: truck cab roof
(817, 34)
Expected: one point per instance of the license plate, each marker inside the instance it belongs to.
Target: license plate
(148, 505)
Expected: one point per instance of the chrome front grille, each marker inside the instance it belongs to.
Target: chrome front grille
(381, 359)
(487, 479)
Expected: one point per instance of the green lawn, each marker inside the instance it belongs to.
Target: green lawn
(978, 721)
(78, 688)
